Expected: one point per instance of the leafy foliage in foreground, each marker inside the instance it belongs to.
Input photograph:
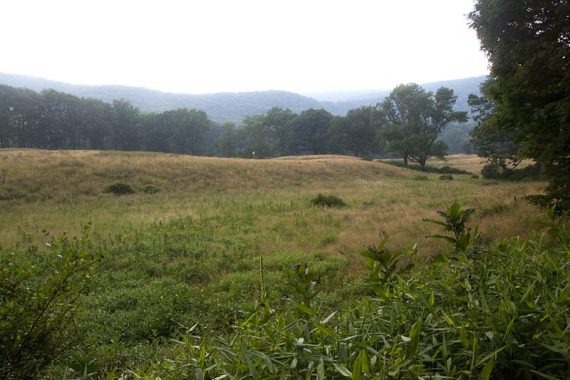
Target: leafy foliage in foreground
(39, 289)
(500, 310)
(500, 313)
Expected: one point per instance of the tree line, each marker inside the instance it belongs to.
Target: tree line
(406, 124)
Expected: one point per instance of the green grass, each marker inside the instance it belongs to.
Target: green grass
(190, 254)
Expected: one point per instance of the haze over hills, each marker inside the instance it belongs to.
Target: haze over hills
(233, 107)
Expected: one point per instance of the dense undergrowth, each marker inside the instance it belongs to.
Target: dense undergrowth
(180, 301)
(498, 312)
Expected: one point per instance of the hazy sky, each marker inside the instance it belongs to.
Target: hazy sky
(200, 46)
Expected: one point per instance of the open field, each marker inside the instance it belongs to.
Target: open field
(190, 254)
(58, 191)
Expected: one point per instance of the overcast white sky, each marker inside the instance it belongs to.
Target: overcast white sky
(200, 46)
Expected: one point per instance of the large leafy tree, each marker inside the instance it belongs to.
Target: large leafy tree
(528, 46)
(356, 133)
(309, 132)
(414, 119)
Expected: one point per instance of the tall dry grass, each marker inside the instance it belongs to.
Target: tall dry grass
(58, 190)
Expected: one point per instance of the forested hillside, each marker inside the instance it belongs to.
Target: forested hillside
(232, 107)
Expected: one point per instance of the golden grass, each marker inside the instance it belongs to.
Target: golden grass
(470, 162)
(63, 175)
(59, 190)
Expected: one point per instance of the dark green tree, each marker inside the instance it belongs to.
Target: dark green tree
(357, 133)
(126, 129)
(258, 140)
(189, 130)
(413, 120)
(310, 132)
(226, 143)
(527, 43)
(279, 120)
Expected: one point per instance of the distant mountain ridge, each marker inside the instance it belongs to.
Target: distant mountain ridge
(230, 106)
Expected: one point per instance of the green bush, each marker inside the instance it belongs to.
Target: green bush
(502, 169)
(328, 201)
(39, 290)
(120, 188)
(421, 178)
(150, 189)
(446, 177)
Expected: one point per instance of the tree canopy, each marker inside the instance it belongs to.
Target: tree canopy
(413, 120)
(528, 46)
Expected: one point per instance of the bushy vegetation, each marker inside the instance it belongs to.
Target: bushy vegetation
(39, 292)
(500, 312)
(330, 200)
(500, 169)
(495, 310)
(120, 188)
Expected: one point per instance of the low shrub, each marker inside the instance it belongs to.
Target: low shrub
(120, 188)
(421, 178)
(504, 170)
(328, 201)
(149, 188)
(446, 177)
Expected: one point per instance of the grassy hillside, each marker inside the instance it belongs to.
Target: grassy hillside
(59, 190)
(190, 254)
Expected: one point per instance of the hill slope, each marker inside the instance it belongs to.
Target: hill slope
(74, 174)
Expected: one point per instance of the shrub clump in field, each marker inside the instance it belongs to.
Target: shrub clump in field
(446, 177)
(120, 188)
(421, 178)
(328, 201)
(149, 188)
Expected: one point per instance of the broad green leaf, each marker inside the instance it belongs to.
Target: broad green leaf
(487, 370)
(342, 370)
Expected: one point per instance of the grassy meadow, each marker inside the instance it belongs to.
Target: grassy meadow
(220, 233)
(58, 191)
